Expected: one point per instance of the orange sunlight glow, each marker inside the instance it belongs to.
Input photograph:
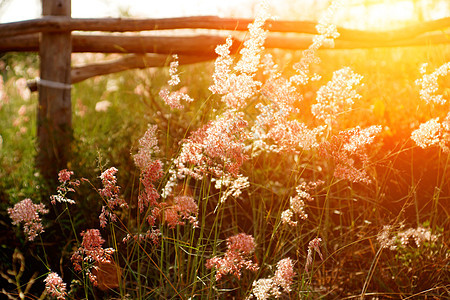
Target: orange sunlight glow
(385, 14)
(402, 11)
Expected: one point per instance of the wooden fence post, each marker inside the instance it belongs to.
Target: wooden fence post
(54, 120)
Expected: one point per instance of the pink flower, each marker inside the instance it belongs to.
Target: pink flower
(239, 246)
(349, 151)
(275, 123)
(171, 217)
(64, 175)
(313, 245)
(284, 275)
(152, 235)
(4, 98)
(275, 285)
(237, 85)
(184, 208)
(66, 186)
(55, 286)
(241, 243)
(216, 149)
(297, 203)
(91, 251)
(173, 71)
(110, 191)
(151, 169)
(173, 98)
(102, 105)
(22, 88)
(27, 212)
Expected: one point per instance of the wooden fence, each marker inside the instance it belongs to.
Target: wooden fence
(52, 36)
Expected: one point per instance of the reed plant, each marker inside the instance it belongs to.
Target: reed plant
(262, 175)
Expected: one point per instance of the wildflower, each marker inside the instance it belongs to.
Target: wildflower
(269, 66)
(173, 98)
(286, 217)
(186, 208)
(433, 133)
(173, 71)
(152, 235)
(64, 175)
(349, 151)
(327, 32)
(236, 87)
(81, 108)
(428, 133)
(55, 286)
(242, 243)
(419, 235)
(336, 96)
(281, 94)
(22, 88)
(234, 186)
(4, 99)
(386, 239)
(297, 203)
(253, 46)
(148, 146)
(102, 105)
(274, 286)
(22, 110)
(91, 252)
(217, 148)
(292, 135)
(110, 192)
(239, 247)
(313, 245)
(390, 239)
(171, 217)
(151, 169)
(27, 212)
(275, 123)
(222, 68)
(284, 275)
(66, 185)
(262, 288)
(183, 208)
(21, 120)
(429, 85)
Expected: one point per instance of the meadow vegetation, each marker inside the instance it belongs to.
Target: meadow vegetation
(318, 174)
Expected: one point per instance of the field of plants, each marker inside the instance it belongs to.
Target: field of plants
(316, 174)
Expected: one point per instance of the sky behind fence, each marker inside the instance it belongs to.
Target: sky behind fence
(358, 14)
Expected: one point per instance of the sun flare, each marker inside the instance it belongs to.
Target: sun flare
(383, 14)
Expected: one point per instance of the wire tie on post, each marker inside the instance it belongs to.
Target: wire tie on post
(52, 84)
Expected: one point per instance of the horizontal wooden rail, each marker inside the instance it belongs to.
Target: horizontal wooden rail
(127, 62)
(195, 45)
(55, 23)
(304, 42)
(200, 44)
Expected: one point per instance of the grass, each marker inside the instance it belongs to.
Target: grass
(409, 189)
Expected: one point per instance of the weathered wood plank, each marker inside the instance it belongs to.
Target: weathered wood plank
(58, 23)
(128, 62)
(196, 45)
(54, 120)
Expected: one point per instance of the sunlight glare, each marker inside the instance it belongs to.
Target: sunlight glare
(388, 14)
